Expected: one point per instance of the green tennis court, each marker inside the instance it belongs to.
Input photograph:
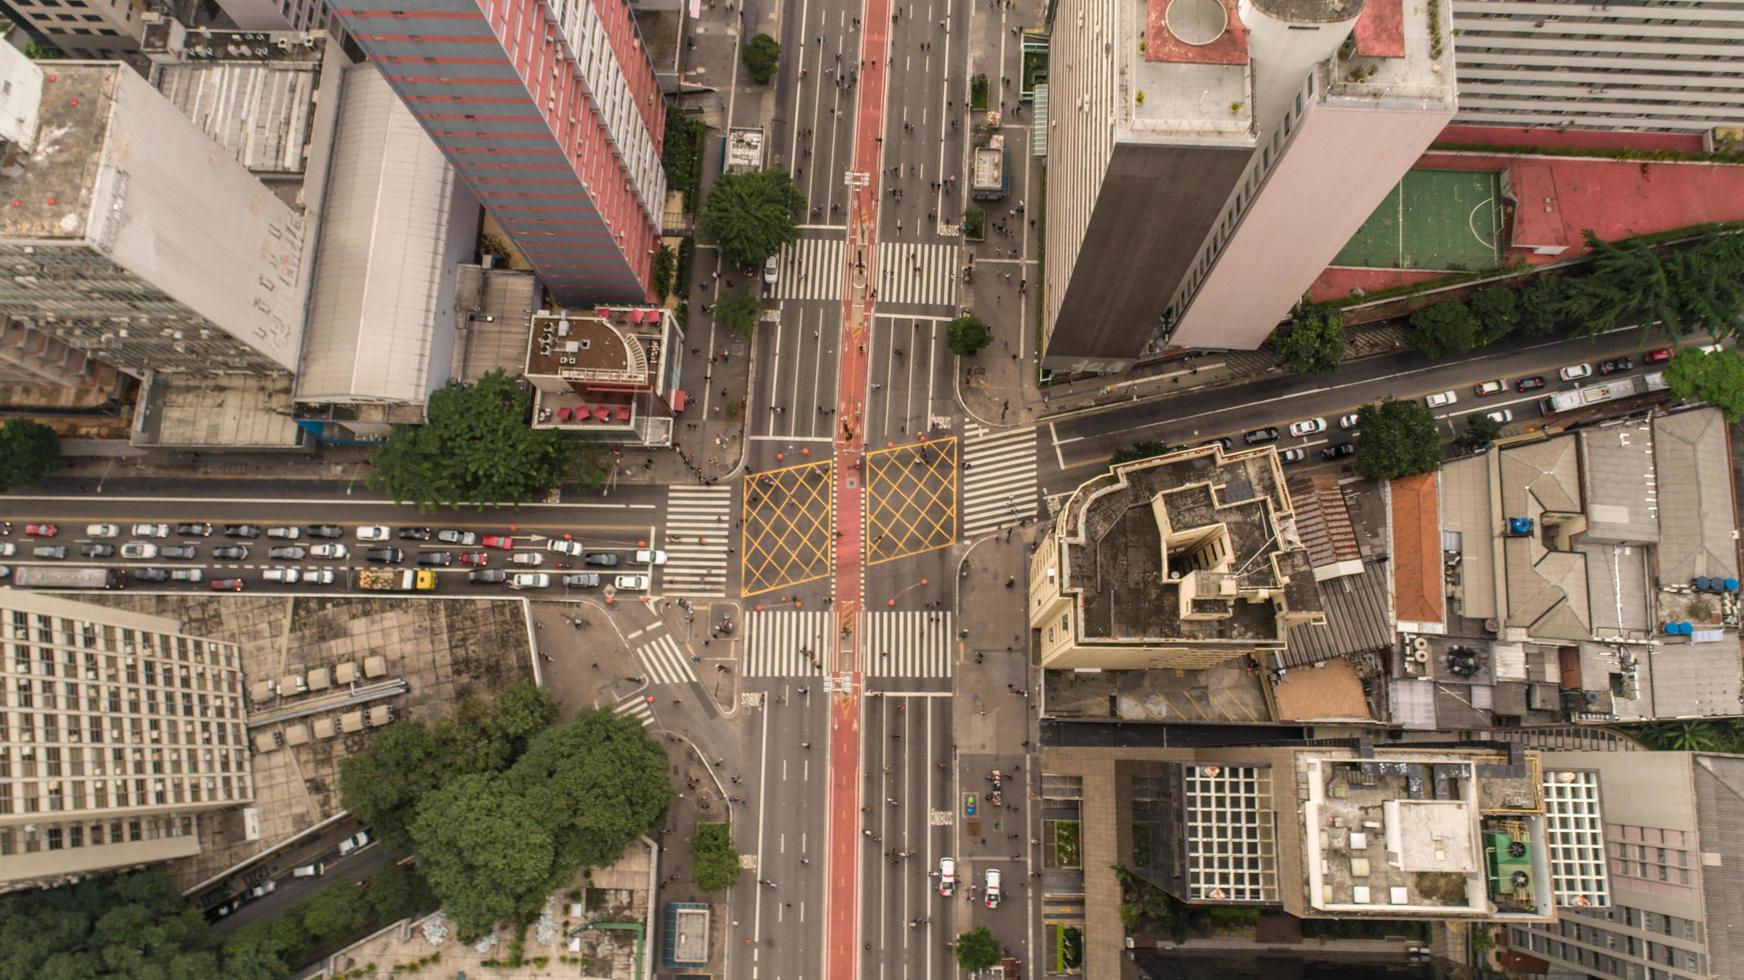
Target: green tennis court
(1432, 219)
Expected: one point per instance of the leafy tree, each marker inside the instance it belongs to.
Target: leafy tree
(132, 925)
(476, 447)
(1681, 736)
(335, 912)
(382, 786)
(751, 215)
(762, 56)
(977, 950)
(737, 311)
(1716, 378)
(665, 264)
(1312, 342)
(1540, 304)
(485, 850)
(397, 891)
(1444, 330)
(714, 860)
(29, 451)
(1137, 451)
(1396, 438)
(599, 781)
(1480, 431)
(1706, 284)
(1497, 310)
(682, 152)
(523, 711)
(1626, 282)
(967, 334)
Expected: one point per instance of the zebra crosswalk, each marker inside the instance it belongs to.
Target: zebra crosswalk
(637, 708)
(787, 642)
(664, 661)
(999, 477)
(908, 643)
(810, 268)
(917, 274)
(699, 523)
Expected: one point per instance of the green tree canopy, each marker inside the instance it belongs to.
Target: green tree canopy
(1682, 736)
(335, 912)
(967, 334)
(382, 786)
(29, 451)
(1396, 438)
(1480, 431)
(485, 849)
(1312, 342)
(476, 447)
(762, 56)
(751, 215)
(977, 950)
(665, 264)
(1444, 330)
(127, 926)
(1497, 311)
(1716, 378)
(714, 861)
(1137, 451)
(737, 311)
(1540, 305)
(600, 781)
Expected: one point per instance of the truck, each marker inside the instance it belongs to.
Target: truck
(989, 182)
(68, 577)
(396, 579)
(743, 151)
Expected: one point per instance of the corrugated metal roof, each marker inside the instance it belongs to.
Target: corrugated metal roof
(259, 111)
(1695, 496)
(1719, 786)
(1356, 620)
(396, 223)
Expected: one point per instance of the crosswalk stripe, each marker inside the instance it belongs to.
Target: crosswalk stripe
(908, 643)
(999, 477)
(698, 529)
(664, 661)
(810, 268)
(638, 708)
(899, 283)
(774, 639)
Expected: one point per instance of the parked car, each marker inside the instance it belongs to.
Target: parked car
(289, 576)
(947, 876)
(1502, 417)
(230, 552)
(1223, 442)
(1533, 383)
(529, 580)
(102, 530)
(1307, 427)
(581, 580)
(646, 557)
(184, 552)
(264, 888)
(309, 870)
(414, 534)
(226, 585)
(602, 559)
(385, 555)
(993, 895)
(288, 552)
(1347, 422)
(1257, 436)
(504, 541)
(328, 549)
(249, 531)
(41, 530)
(139, 551)
(320, 576)
(7, 549)
(149, 574)
(562, 546)
(354, 842)
(187, 574)
(1295, 454)
(1615, 365)
(438, 559)
(286, 532)
(374, 532)
(1658, 355)
(5, 573)
(97, 549)
(1710, 348)
(487, 576)
(530, 558)
(1339, 451)
(151, 530)
(1491, 387)
(631, 583)
(49, 551)
(1575, 372)
(771, 270)
(478, 558)
(1441, 399)
(466, 539)
(194, 530)
(327, 531)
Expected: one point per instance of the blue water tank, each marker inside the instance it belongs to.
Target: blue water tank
(1670, 629)
(1686, 627)
(1519, 526)
(1702, 583)
(1731, 585)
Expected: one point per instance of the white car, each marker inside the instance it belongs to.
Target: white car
(102, 530)
(8, 549)
(287, 532)
(151, 530)
(947, 876)
(531, 558)
(321, 576)
(466, 539)
(1295, 454)
(1502, 417)
(630, 583)
(570, 547)
(529, 580)
(1575, 372)
(353, 842)
(328, 549)
(771, 270)
(289, 576)
(994, 896)
(139, 550)
(1491, 388)
(1307, 427)
(1441, 399)
(374, 532)
(1348, 422)
(647, 557)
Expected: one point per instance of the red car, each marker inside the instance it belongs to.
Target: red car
(41, 530)
(478, 558)
(226, 585)
(505, 542)
(1659, 356)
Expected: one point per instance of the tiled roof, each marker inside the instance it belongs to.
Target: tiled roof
(1322, 520)
(1417, 580)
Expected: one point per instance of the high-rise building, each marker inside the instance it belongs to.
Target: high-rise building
(129, 237)
(117, 730)
(1676, 66)
(551, 112)
(1208, 158)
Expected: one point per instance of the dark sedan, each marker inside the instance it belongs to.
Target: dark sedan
(1530, 384)
(1257, 436)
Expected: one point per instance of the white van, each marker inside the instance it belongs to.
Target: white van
(993, 894)
(309, 870)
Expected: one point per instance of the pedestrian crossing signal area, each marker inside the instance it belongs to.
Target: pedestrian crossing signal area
(789, 527)
(911, 499)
